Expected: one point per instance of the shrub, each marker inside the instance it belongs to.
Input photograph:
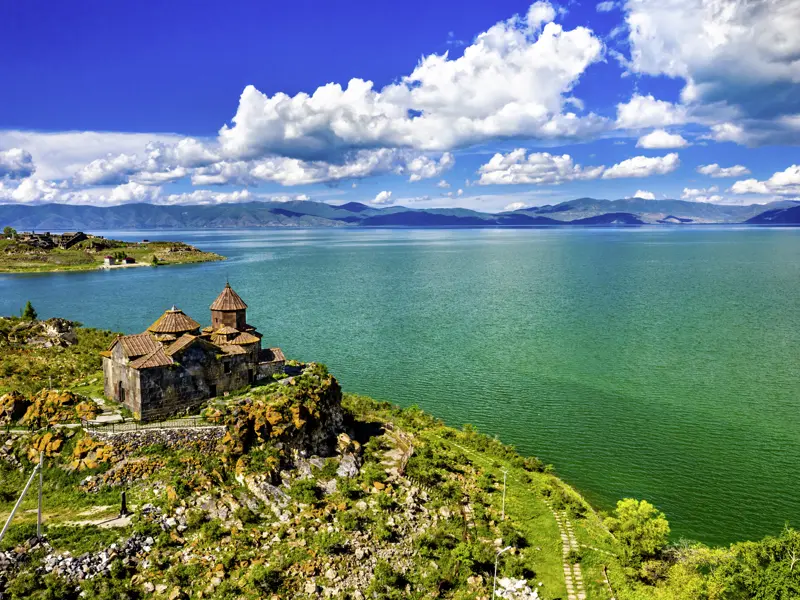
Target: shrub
(266, 578)
(213, 530)
(329, 542)
(305, 491)
(386, 582)
(246, 516)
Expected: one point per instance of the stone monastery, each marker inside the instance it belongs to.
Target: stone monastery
(174, 366)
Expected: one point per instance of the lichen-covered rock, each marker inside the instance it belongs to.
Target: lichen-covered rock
(43, 334)
(89, 454)
(49, 442)
(12, 407)
(303, 413)
(49, 407)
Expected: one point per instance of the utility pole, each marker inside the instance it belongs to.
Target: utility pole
(496, 557)
(19, 501)
(41, 479)
(503, 514)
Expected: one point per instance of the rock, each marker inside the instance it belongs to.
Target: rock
(310, 587)
(148, 587)
(349, 466)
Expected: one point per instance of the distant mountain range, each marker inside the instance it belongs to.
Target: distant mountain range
(583, 211)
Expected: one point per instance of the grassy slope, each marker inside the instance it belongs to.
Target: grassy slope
(14, 259)
(469, 458)
(77, 367)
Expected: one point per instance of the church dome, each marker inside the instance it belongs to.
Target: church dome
(173, 321)
(228, 300)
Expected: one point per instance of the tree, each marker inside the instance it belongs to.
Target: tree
(640, 527)
(29, 312)
(9, 232)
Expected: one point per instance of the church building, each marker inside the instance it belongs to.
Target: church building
(175, 365)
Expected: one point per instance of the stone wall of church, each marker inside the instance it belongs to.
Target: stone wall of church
(199, 374)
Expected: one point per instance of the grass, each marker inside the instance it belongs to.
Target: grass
(77, 367)
(19, 258)
(526, 490)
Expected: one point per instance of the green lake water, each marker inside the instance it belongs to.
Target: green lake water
(658, 363)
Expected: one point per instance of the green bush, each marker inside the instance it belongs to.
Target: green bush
(305, 491)
(266, 578)
(329, 542)
(246, 516)
(213, 530)
(386, 584)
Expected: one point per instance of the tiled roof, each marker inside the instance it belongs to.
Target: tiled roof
(156, 358)
(208, 329)
(134, 346)
(272, 355)
(231, 349)
(182, 342)
(174, 321)
(245, 338)
(226, 330)
(228, 300)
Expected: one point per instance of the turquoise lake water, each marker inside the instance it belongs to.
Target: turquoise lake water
(658, 363)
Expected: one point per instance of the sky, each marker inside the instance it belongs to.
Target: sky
(483, 105)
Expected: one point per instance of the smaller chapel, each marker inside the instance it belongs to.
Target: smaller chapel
(174, 366)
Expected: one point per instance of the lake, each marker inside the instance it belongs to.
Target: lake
(657, 363)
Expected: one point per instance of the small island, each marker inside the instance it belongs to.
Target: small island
(31, 252)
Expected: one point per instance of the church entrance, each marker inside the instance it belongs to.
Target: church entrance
(120, 393)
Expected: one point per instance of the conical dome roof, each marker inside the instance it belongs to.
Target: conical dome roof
(173, 321)
(228, 300)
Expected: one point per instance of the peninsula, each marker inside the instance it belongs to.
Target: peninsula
(25, 252)
(291, 488)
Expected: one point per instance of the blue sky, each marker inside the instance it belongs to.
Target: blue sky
(475, 104)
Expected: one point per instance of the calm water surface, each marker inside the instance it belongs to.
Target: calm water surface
(654, 363)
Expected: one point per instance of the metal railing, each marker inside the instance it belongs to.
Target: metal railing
(119, 427)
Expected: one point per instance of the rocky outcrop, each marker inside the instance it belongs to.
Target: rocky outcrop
(43, 334)
(12, 407)
(303, 413)
(50, 407)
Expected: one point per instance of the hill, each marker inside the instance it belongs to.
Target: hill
(296, 490)
(582, 211)
(778, 216)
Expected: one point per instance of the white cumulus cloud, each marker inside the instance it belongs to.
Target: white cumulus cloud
(514, 80)
(708, 194)
(535, 168)
(424, 167)
(738, 57)
(714, 170)
(16, 163)
(642, 112)
(643, 166)
(382, 198)
(515, 206)
(661, 140)
(782, 183)
(644, 195)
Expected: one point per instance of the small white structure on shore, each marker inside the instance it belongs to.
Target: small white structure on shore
(109, 261)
